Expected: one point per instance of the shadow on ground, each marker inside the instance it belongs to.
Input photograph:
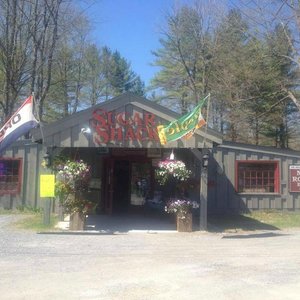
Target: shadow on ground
(153, 222)
(122, 223)
(230, 222)
(254, 236)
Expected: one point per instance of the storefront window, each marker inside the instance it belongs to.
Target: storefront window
(10, 176)
(257, 177)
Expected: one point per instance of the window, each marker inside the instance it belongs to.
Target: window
(257, 177)
(10, 176)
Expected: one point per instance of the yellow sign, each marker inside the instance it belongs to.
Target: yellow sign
(47, 184)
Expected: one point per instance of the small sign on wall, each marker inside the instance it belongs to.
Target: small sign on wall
(294, 178)
(47, 186)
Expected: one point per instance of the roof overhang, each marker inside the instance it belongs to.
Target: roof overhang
(125, 121)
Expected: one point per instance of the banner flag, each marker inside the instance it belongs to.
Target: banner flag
(19, 123)
(183, 127)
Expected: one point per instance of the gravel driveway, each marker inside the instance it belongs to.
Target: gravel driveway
(253, 265)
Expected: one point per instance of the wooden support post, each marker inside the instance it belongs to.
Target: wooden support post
(203, 200)
(47, 211)
(203, 158)
(61, 216)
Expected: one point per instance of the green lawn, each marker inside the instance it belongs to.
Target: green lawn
(35, 222)
(32, 219)
(257, 220)
(281, 220)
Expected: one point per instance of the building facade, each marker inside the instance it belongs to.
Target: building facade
(119, 139)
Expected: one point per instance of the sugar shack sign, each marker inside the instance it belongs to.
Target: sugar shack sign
(294, 178)
(112, 127)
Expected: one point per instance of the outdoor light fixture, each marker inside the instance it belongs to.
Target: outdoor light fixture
(86, 130)
(172, 156)
(47, 159)
(205, 158)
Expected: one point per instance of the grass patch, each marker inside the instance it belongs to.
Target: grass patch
(20, 210)
(281, 220)
(35, 222)
(257, 220)
(30, 218)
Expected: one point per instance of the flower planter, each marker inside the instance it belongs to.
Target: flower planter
(185, 222)
(77, 221)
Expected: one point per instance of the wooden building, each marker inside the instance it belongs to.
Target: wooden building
(247, 177)
(118, 138)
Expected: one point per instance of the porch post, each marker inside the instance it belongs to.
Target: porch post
(203, 191)
(203, 200)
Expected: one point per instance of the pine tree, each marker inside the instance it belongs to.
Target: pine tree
(185, 58)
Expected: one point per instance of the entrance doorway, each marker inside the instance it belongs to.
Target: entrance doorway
(127, 184)
(121, 187)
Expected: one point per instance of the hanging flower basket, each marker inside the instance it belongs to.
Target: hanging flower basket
(171, 169)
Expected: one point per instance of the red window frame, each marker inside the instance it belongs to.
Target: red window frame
(262, 180)
(13, 188)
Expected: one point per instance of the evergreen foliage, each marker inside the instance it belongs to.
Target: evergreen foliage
(247, 74)
(248, 62)
(45, 48)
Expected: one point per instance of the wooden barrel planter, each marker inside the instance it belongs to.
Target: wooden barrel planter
(185, 222)
(77, 221)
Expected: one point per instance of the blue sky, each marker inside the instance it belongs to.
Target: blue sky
(132, 28)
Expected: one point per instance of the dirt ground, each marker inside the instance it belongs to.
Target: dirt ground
(139, 265)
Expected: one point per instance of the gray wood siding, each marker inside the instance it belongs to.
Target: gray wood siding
(31, 155)
(225, 198)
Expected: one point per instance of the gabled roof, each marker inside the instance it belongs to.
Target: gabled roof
(67, 132)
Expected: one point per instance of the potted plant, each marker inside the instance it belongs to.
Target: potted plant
(72, 179)
(183, 210)
(175, 172)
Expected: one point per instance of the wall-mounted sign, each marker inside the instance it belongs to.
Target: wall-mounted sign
(47, 186)
(294, 178)
(110, 127)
